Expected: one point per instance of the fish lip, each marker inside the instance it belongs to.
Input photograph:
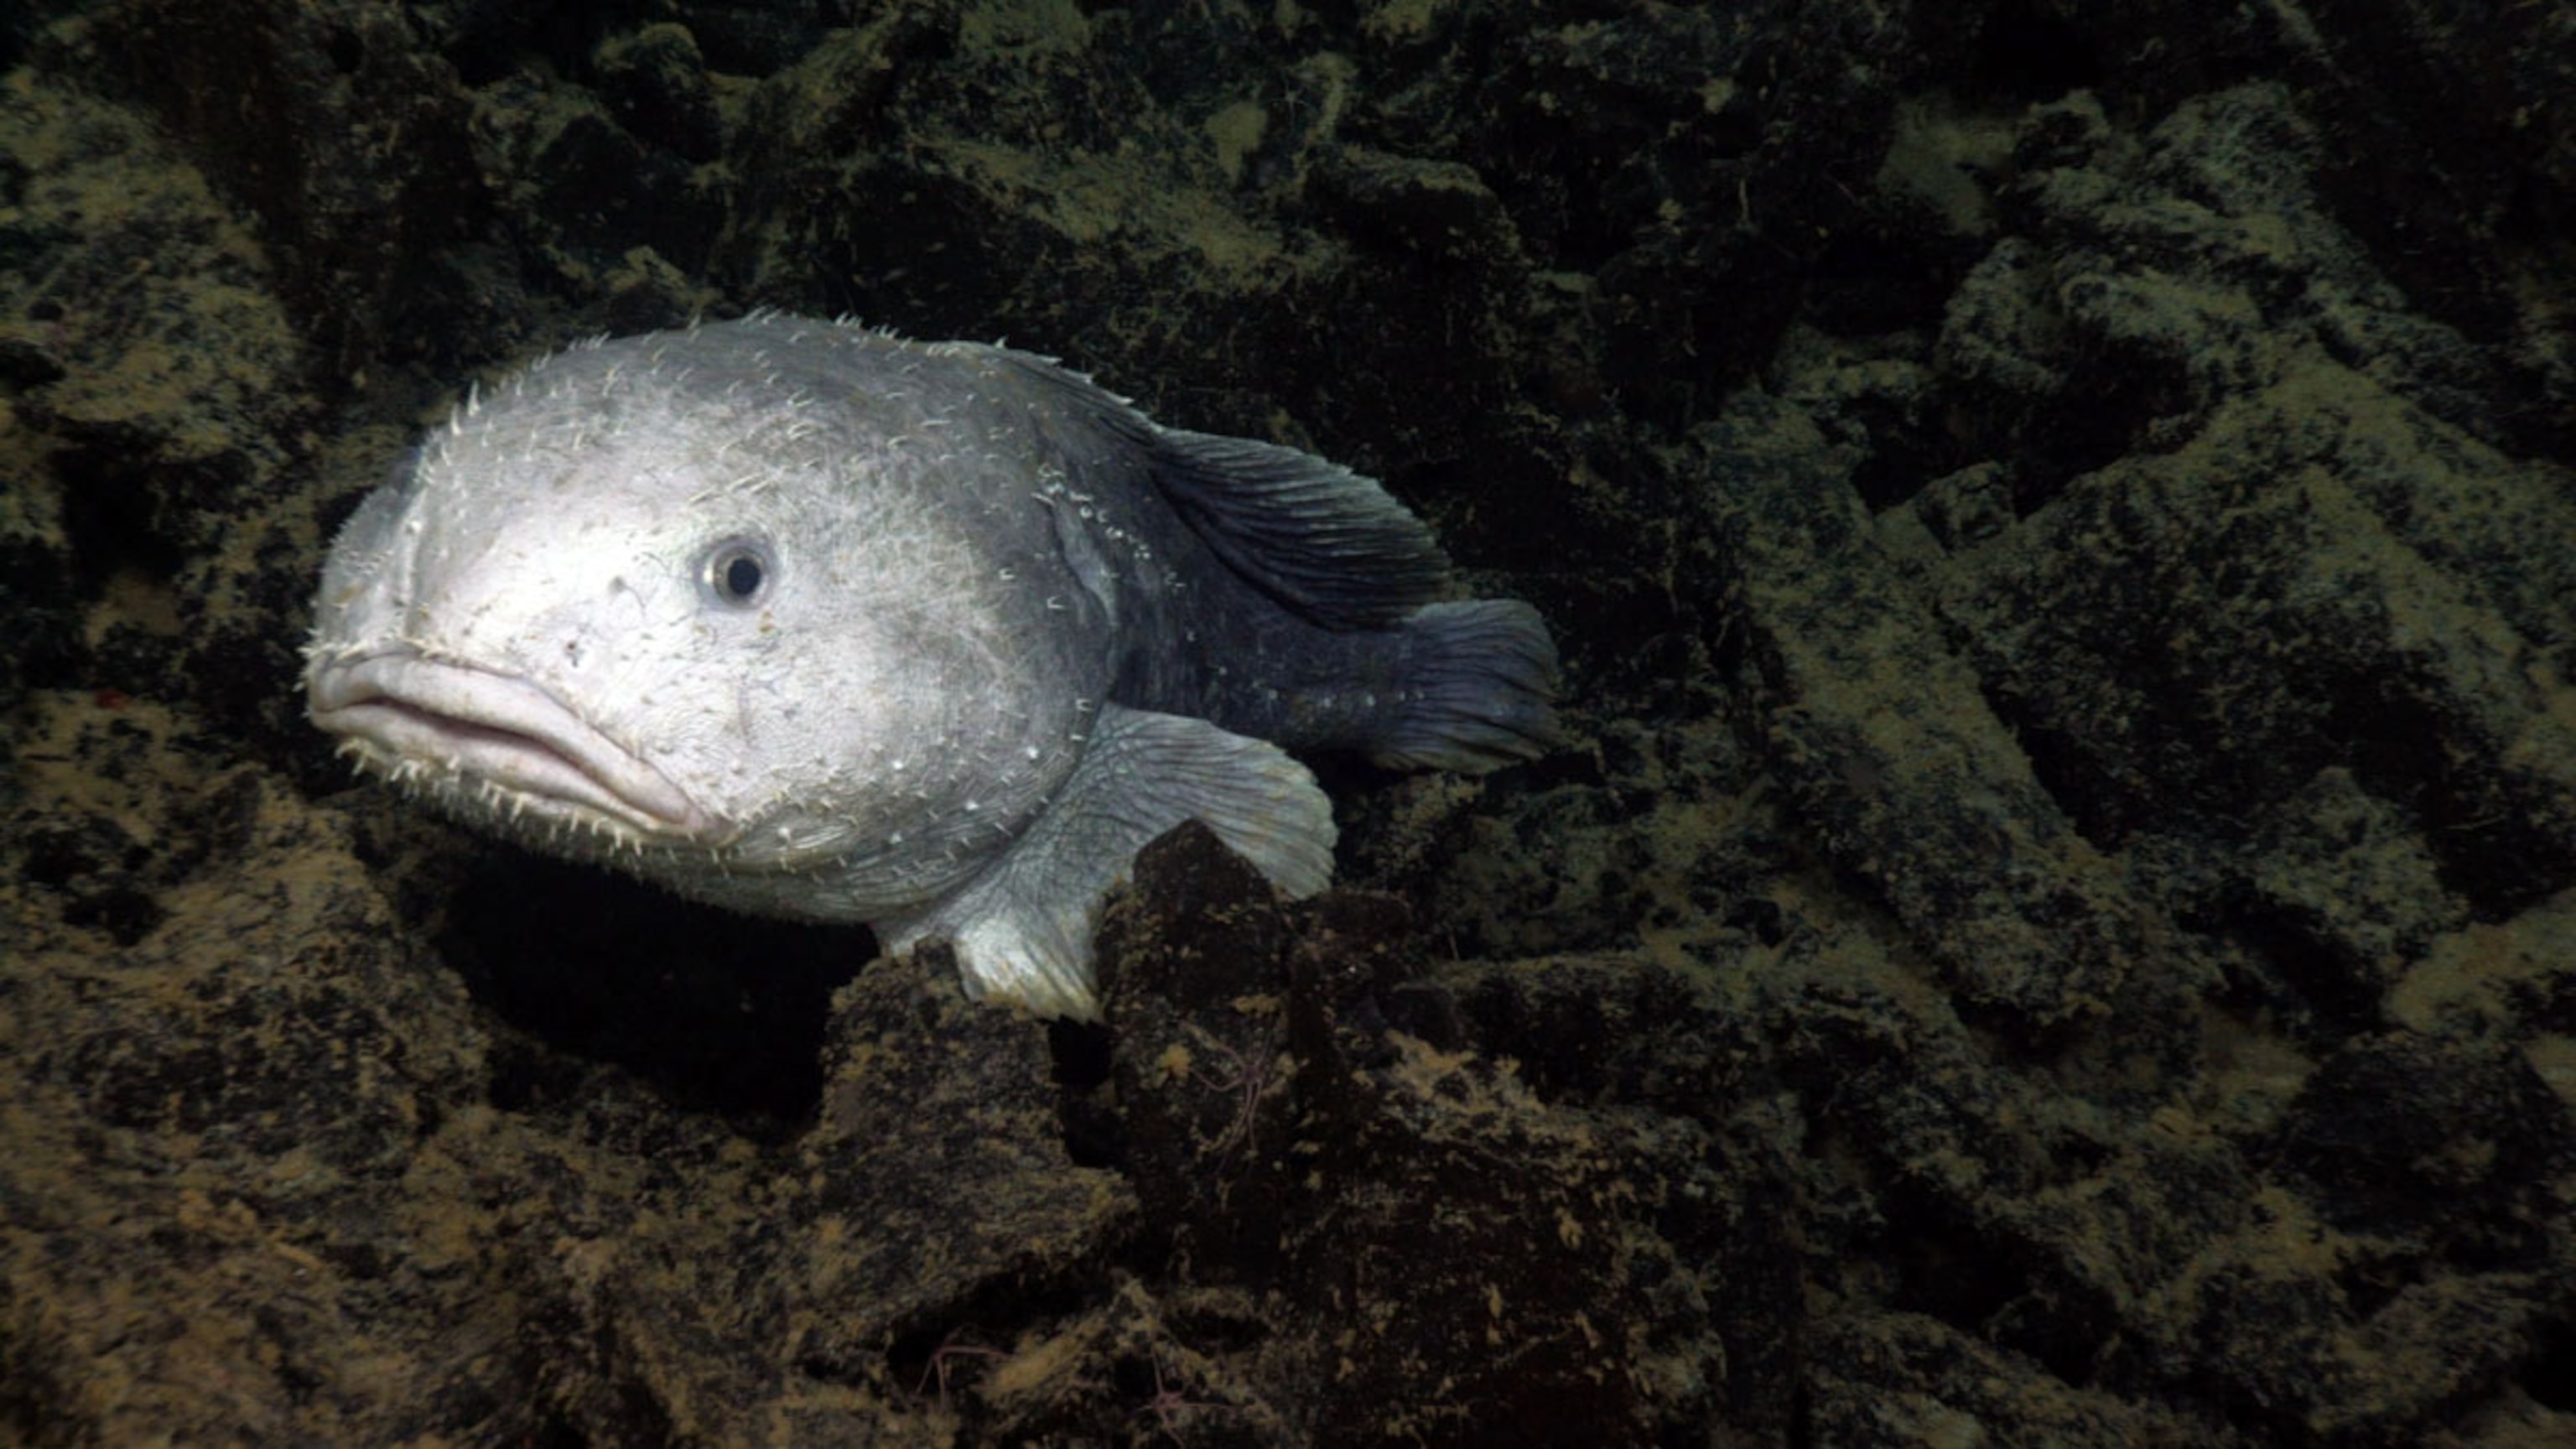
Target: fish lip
(404, 709)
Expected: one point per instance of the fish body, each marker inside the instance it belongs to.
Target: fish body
(808, 620)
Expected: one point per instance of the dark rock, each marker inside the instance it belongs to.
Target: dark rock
(1454, 1252)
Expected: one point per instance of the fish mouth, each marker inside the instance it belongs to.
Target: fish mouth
(498, 746)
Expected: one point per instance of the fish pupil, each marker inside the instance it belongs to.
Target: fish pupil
(736, 571)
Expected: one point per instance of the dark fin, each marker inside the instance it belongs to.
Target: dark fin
(1322, 541)
(1480, 678)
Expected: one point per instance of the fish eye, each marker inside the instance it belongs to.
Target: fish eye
(737, 572)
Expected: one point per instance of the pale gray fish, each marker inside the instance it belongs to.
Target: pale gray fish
(808, 620)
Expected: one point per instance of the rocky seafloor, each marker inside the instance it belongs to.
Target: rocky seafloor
(2056, 923)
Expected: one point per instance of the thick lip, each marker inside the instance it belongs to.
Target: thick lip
(404, 710)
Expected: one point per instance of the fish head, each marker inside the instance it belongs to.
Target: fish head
(634, 614)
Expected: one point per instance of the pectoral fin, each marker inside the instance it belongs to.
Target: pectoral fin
(1022, 928)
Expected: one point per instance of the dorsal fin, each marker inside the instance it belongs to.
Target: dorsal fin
(1321, 540)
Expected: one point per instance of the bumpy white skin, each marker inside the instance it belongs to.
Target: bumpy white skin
(850, 740)
(785, 648)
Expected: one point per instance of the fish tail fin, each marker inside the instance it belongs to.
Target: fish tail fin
(1480, 686)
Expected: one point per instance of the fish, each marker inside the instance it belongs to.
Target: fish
(805, 619)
